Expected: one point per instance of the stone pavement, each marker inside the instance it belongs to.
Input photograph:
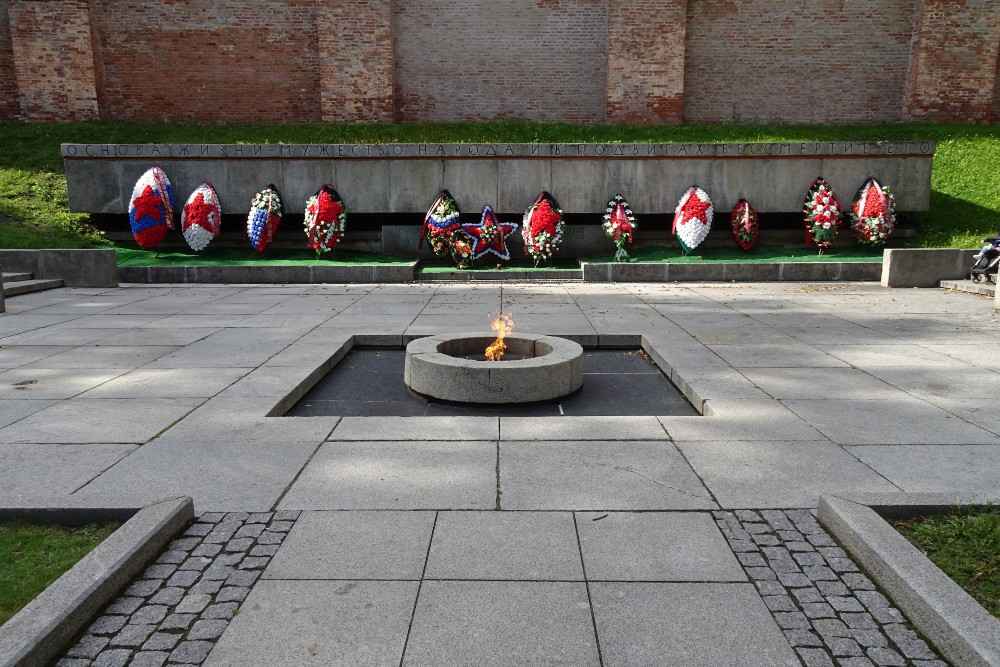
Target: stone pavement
(461, 540)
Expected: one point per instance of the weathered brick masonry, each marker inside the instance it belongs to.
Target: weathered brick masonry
(628, 61)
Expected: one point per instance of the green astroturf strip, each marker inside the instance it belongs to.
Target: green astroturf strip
(756, 255)
(32, 557)
(249, 257)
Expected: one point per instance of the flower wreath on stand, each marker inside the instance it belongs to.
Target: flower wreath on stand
(693, 218)
(201, 217)
(745, 225)
(619, 224)
(325, 221)
(873, 214)
(823, 215)
(461, 250)
(151, 209)
(440, 225)
(542, 229)
(264, 218)
(489, 235)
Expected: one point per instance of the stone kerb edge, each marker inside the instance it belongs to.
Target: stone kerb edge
(960, 628)
(37, 633)
(924, 267)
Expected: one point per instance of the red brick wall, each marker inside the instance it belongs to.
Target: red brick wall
(54, 62)
(628, 61)
(205, 60)
(10, 105)
(517, 59)
(356, 61)
(953, 70)
(646, 61)
(796, 62)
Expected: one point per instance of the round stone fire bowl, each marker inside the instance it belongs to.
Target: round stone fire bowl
(550, 368)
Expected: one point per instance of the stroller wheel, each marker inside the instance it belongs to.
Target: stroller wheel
(974, 277)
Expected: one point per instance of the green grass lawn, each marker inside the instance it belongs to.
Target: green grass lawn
(965, 182)
(32, 557)
(966, 546)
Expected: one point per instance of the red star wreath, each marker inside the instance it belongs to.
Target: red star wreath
(489, 235)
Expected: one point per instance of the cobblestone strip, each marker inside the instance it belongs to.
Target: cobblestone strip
(178, 607)
(830, 612)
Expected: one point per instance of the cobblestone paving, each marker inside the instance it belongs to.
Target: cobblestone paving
(178, 607)
(830, 612)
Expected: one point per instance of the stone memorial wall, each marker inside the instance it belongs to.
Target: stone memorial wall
(405, 178)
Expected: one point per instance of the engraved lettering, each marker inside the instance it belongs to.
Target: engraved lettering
(491, 150)
(848, 149)
(700, 149)
(138, 151)
(925, 147)
(651, 149)
(619, 150)
(284, 149)
(397, 150)
(258, 149)
(356, 150)
(440, 151)
(238, 150)
(508, 150)
(473, 149)
(535, 149)
(888, 148)
(381, 150)
(422, 149)
(722, 150)
(458, 149)
(599, 149)
(802, 148)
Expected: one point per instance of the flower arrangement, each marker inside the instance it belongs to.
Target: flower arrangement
(440, 224)
(264, 218)
(201, 217)
(619, 224)
(461, 251)
(693, 218)
(325, 220)
(542, 229)
(151, 208)
(873, 213)
(489, 235)
(745, 225)
(823, 214)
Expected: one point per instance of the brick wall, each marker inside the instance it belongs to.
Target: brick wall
(953, 71)
(206, 60)
(356, 61)
(54, 62)
(517, 59)
(646, 61)
(796, 62)
(628, 61)
(9, 101)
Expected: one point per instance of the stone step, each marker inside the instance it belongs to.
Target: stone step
(16, 277)
(982, 288)
(19, 287)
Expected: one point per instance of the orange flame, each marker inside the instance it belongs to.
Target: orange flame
(503, 325)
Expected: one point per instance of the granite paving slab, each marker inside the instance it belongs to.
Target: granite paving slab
(655, 546)
(56, 470)
(398, 475)
(221, 476)
(936, 383)
(105, 356)
(355, 545)
(598, 475)
(778, 473)
(71, 334)
(889, 422)
(14, 356)
(607, 428)
(167, 383)
(812, 383)
(12, 410)
(100, 420)
(710, 625)
(28, 382)
(148, 335)
(323, 623)
(243, 419)
(917, 468)
(741, 419)
(501, 623)
(511, 546)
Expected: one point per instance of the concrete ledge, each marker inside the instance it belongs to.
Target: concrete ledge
(957, 625)
(268, 274)
(77, 268)
(924, 267)
(37, 633)
(730, 271)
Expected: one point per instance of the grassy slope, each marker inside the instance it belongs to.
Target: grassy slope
(966, 546)
(965, 199)
(32, 557)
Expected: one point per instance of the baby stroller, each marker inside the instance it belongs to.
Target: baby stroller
(987, 261)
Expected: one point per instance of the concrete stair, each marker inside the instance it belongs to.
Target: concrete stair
(15, 284)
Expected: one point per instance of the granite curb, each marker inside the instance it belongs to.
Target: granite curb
(960, 628)
(37, 633)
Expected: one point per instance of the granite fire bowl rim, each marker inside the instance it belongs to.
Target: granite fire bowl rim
(552, 368)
